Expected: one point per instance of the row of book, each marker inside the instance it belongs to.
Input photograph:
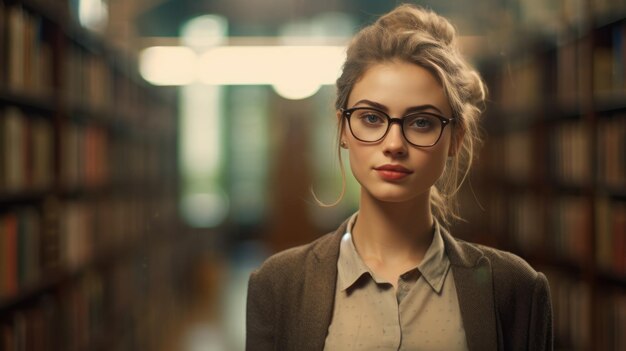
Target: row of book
(25, 51)
(93, 156)
(26, 151)
(562, 226)
(518, 156)
(128, 306)
(84, 159)
(89, 155)
(611, 156)
(574, 305)
(87, 78)
(61, 237)
(610, 236)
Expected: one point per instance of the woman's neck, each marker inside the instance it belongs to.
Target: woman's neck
(392, 233)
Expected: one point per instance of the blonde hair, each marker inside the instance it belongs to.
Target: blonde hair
(416, 35)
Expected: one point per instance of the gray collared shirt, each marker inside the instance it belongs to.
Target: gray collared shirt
(422, 314)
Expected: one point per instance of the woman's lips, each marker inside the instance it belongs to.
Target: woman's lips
(393, 172)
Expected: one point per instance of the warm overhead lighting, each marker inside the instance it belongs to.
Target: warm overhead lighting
(168, 65)
(93, 14)
(295, 72)
(270, 64)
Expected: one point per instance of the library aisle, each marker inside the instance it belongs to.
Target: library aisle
(154, 152)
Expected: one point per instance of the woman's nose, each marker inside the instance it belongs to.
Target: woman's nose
(394, 143)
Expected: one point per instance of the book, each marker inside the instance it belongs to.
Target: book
(568, 74)
(611, 139)
(611, 236)
(16, 42)
(570, 153)
(42, 158)
(28, 247)
(26, 152)
(571, 228)
(519, 156)
(13, 151)
(3, 45)
(9, 255)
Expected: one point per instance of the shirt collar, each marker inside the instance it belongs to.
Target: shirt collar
(434, 267)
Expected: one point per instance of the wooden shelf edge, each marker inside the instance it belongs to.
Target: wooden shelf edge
(32, 102)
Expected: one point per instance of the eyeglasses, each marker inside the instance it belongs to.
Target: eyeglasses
(423, 129)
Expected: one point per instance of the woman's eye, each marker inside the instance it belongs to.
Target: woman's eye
(371, 118)
(421, 122)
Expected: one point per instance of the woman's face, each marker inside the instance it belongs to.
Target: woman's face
(392, 169)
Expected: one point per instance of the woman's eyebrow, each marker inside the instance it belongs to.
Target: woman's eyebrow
(407, 111)
(372, 104)
(422, 108)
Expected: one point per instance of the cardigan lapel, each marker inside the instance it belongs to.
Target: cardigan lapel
(319, 291)
(474, 284)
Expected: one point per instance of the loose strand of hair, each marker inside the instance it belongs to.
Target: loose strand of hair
(343, 184)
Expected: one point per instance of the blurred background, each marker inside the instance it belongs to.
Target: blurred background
(154, 152)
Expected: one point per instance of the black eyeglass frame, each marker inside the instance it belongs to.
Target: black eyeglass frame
(347, 113)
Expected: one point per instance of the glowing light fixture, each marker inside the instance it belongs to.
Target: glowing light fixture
(295, 72)
(168, 65)
(93, 14)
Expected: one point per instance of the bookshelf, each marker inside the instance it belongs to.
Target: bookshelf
(552, 173)
(89, 238)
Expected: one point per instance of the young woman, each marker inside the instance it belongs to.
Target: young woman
(392, 277)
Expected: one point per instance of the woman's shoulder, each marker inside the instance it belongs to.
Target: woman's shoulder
(508, 263)
(510, 272)
(290, 261)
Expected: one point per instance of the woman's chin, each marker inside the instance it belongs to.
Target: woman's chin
(395, 195)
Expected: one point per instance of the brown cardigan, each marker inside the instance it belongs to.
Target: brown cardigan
(505, 304)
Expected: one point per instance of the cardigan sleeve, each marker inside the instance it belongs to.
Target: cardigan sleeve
(259, 314)
(540, 331)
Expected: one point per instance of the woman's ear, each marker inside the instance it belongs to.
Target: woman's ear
(343, 137)
(458, 133)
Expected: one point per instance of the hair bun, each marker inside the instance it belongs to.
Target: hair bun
(410, 18)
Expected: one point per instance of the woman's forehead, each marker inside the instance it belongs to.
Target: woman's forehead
(398, 84)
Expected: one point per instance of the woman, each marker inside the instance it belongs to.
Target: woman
(391, 277)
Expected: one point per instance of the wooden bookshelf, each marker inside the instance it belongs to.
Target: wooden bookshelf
(552, 173)
(88, 186)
